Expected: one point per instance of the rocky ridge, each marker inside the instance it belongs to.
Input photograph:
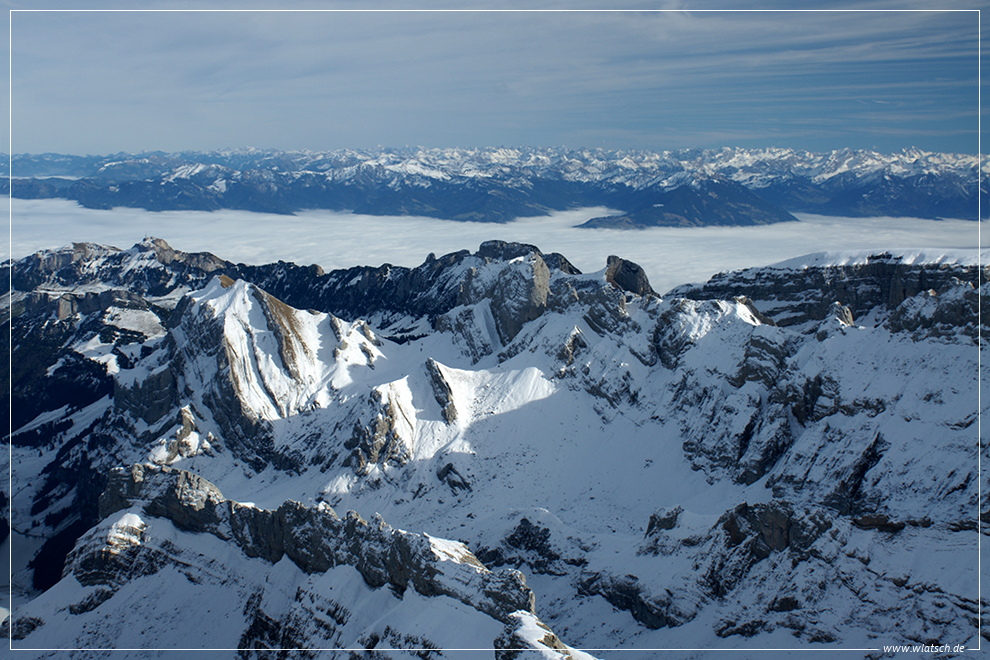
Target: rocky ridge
(765, 436)
(162, 506)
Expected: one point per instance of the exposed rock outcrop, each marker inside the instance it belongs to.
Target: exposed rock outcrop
(517, 294)
(380, 437)
(754, 532)
(625, 593)
(952, 311)
(628, 276)
(442, 390)
(803, 296)
(149, 399)
(427, 412)
(314, 538)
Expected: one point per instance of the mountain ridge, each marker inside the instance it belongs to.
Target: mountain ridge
(735, 463)
(695, 186)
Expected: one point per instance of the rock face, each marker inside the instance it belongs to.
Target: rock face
(138, 548)
(435, 288)
(382, 439)
(150, 399)
(516, 296)
(316, 539)
(753, 533)
(797, 294)
(442, 391)
(627, 276)
(625, 593)
(742, 467)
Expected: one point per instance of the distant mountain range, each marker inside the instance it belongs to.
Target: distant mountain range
(690, 187)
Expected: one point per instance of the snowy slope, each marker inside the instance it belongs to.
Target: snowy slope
(307, 577)
(739, 472)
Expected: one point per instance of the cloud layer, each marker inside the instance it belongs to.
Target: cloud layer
(671, 256)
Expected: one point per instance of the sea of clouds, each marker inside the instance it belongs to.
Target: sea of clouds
(670, 255)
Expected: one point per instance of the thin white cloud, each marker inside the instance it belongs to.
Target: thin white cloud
(671, 256)
(323, 80)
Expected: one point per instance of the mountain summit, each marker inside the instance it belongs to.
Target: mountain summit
(491, 450)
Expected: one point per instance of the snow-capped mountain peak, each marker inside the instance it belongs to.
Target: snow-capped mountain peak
(737, 462)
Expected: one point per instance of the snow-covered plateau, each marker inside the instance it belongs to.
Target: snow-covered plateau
(494, 451)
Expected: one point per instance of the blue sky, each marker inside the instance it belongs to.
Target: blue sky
(102, 82)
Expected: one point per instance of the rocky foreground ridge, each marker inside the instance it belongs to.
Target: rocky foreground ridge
(754, 461)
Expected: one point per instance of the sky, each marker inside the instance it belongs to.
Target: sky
(109, 81)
